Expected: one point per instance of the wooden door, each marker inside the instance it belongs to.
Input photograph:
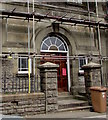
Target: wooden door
(62, 76)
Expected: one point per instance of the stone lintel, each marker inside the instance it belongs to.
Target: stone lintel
(91, 65)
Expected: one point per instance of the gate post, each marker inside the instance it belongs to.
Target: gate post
(92, 75)
(48, 76)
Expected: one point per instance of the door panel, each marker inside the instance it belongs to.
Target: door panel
(61, 70)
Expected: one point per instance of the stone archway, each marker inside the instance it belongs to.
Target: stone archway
(57, 46)
(66, 35)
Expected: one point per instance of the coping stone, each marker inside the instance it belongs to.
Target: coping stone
(48, 65)
(91, 65)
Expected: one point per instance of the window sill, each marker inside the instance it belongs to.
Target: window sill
(23, 75)
(81, 74)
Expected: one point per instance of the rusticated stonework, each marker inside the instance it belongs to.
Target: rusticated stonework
(48, 74)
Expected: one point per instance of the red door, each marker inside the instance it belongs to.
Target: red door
(61, 71)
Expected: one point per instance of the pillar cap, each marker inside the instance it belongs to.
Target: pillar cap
(48, 65)
(91, 65)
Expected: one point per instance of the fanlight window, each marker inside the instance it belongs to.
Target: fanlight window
(53, 44)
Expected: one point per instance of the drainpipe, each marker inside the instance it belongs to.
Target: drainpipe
(99, 39)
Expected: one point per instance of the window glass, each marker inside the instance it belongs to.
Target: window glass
(23, 65)
(53, 43)
(19, 65)
(61, 48)
(52, 40)
(44, 47)
(82, 61)
(48, 42)
(58, 42)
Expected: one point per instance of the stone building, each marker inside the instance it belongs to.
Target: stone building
(69, 34)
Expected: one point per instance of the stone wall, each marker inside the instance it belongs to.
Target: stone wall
(35, 103)
(23, 104)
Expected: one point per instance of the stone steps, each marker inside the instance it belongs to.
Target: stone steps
(69, 103)
(66, 97)
(80, 97)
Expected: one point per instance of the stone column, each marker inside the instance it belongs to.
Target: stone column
(92, 75)
(48, 77)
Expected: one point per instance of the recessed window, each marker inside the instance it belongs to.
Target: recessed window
(82, 61)
(23, 65)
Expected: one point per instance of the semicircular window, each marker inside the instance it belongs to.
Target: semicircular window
(53, 43)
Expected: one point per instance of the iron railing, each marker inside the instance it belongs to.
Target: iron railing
(20, 84)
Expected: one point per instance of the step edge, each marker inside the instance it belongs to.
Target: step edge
(76, 108)
(66, 106)
(79, 102)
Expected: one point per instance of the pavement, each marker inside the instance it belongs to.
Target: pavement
(10, 117)
(69, 115)
(80, 115)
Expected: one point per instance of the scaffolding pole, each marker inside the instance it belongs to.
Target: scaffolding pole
(34, 65)
(99, 39)
(88, 6)
(29, 52)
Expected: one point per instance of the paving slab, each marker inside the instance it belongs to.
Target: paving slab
(11, 117)
(70, 114)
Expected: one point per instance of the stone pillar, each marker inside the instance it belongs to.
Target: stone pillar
(74, 78)
(48, 77)
(92, 75)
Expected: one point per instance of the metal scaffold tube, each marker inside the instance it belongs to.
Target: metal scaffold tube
(90, 29)
(100, 45)
(57, 18)
(0, 59)
(34, 72)
(29, 52)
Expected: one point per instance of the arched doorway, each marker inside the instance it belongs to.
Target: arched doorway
(57, 50)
